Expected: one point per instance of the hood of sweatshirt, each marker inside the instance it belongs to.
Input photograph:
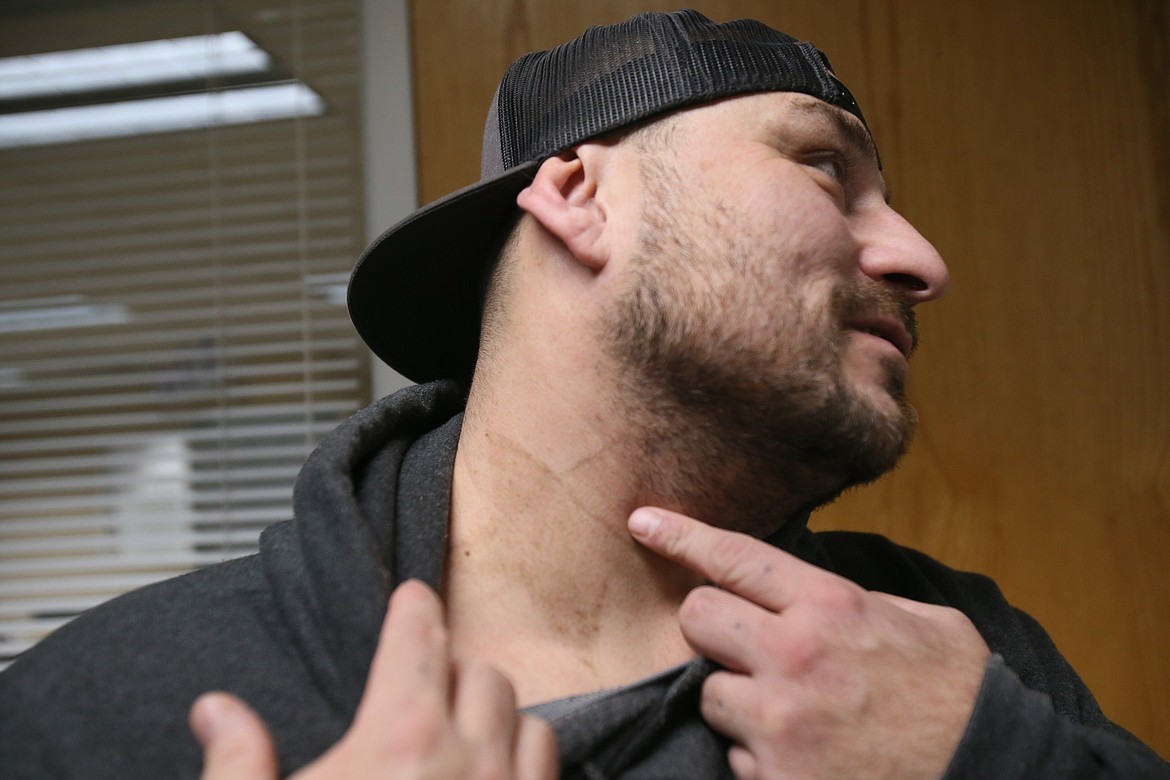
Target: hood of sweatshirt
(332, 570)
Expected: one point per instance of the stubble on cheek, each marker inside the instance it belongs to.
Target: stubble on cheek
(731, 347)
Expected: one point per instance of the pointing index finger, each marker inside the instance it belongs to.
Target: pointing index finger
(734, 561)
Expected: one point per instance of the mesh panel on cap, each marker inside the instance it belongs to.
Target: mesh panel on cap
(614, 76)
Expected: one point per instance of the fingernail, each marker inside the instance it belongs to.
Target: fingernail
(644, 521)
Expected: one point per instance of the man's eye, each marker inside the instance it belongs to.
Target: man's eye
(831, 166)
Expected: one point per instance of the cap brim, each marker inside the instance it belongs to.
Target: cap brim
(414, 295)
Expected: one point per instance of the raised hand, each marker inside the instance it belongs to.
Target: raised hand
(823, 678)
(422, 716)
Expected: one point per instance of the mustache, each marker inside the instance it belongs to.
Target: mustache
(854, 301)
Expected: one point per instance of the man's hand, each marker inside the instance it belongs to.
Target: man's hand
(422, 716)
(824, 679)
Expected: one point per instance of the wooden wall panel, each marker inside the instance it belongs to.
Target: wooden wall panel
(1031, 142)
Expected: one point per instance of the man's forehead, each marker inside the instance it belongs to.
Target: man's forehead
(847, 125)
(781, 110)
(780, 107)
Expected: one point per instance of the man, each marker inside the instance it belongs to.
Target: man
(678, 292)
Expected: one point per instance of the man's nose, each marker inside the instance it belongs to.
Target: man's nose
(895, 253)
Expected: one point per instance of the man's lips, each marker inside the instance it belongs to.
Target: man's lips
(886, 328)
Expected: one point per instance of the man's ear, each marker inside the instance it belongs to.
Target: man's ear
(563, 199)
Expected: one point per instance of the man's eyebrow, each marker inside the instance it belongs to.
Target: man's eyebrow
(849, 128)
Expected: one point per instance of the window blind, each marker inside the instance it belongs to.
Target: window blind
(173, 335)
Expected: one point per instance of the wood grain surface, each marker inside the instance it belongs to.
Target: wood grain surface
(1030, 141)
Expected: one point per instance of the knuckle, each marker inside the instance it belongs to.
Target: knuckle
(839, 601)
(841, 598)
(712, 706)
(772, 717)
(801, 652)
(675, 542)
(715, 686)
(698, 604)
(751, 710)
(728, 561)
(777, 718)
(715, 700)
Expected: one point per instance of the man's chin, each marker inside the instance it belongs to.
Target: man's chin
(880, 381)
(888, 442)
(877, 437)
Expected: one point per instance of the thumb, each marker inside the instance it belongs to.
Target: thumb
(236, 745)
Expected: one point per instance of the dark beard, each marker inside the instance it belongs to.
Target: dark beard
(747, 439)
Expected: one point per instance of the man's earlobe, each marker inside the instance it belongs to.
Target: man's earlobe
(562, 198)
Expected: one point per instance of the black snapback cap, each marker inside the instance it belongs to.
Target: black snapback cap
(415, 295)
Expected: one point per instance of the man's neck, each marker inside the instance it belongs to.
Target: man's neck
(543, 580)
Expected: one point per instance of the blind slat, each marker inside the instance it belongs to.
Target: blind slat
(102, 523)
(49, 573)
(114, 460)
(175, 378)
(244, 433)
(74, 364)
